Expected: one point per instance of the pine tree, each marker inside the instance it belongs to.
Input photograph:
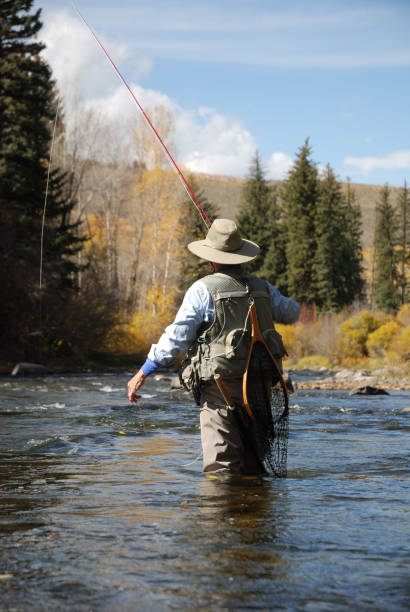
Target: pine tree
(258, 220)
(385, 288)
(273, 267)
(337, 269)
(27, 110)
(193, 228)
(404, 241)
(300, 195)
(353, 228)
(326, 260)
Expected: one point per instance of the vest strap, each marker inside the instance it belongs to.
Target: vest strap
(221, 295)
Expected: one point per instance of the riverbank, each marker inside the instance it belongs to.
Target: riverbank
(390, 378)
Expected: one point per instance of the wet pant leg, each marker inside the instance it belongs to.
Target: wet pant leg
(223, 444)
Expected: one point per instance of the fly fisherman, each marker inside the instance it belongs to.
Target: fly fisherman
(213, 324)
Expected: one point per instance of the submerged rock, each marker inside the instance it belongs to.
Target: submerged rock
(162, 377)
(175, 383)
(30, 369)
(368, 390)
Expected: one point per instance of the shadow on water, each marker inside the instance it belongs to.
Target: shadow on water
(232, 542)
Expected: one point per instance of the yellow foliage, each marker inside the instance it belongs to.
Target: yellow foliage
(296, 339)
(144, 328)
(311, 361)
(288, 336)
(352, 344)
(304, 339)
(97, 233)
(378, 341)
(354, 333)
(399, 349)
(403, 316)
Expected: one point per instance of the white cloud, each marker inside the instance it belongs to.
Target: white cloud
(206, 141)
(119, 105)
(278, 165)
(216, 145)
(394, 160)
(76, 59)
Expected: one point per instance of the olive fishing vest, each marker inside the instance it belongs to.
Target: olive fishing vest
(222, 346)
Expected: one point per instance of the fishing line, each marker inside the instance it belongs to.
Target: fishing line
(171, 160)
(46, 195)
(192, 462)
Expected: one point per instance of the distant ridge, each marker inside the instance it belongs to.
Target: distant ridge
(226, 191)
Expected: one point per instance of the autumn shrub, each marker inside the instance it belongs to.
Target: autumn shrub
(403, 315)
(296, 339)
(379, 340)
(399, 349)
(353, 336)
(314, 361)
(288, 336)
(138, 331)
(312, 343)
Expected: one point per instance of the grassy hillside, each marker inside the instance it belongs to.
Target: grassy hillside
(225, 192)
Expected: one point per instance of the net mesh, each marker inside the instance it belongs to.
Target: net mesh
(269, 432)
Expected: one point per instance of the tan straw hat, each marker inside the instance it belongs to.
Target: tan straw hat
(223, 244)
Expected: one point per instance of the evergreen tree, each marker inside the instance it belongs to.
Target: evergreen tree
(385, 287)
(337, 263)
(404, 241)
(258, 220)
(300, 195)
(27, 109)
(193, 228)
(354, 232)
(273, 265)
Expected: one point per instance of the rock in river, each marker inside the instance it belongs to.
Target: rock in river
(30, 369)
(368, 390)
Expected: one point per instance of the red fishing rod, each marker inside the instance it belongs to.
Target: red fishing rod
(171, 160)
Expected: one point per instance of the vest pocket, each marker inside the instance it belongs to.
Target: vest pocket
(237, 344)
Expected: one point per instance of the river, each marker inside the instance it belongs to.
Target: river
(104, 505)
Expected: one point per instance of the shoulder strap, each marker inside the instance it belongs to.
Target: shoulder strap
(222, 286)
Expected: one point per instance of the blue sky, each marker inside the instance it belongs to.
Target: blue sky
(241, 75)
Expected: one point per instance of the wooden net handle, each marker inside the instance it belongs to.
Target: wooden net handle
(224, 391)
(256, 336)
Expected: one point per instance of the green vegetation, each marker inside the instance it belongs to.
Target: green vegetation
(30, 315)
(385, 287)
(337, 260)
(45, 320)
(310, 238)
(403, 241)
(300, 195)
(115, 260)
(259, 221)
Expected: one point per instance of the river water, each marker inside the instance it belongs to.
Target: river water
(104, 506)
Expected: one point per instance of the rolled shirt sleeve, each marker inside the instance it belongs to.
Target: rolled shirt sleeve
(196, 308)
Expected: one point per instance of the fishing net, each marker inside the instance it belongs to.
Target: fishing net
(268, 400)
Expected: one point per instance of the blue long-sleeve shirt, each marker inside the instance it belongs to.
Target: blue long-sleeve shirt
(197, 308)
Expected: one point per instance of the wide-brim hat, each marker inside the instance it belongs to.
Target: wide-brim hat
(224, 245)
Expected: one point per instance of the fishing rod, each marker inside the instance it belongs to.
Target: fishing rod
(205, 219)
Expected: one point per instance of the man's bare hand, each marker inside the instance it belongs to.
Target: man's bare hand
(134, 384)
